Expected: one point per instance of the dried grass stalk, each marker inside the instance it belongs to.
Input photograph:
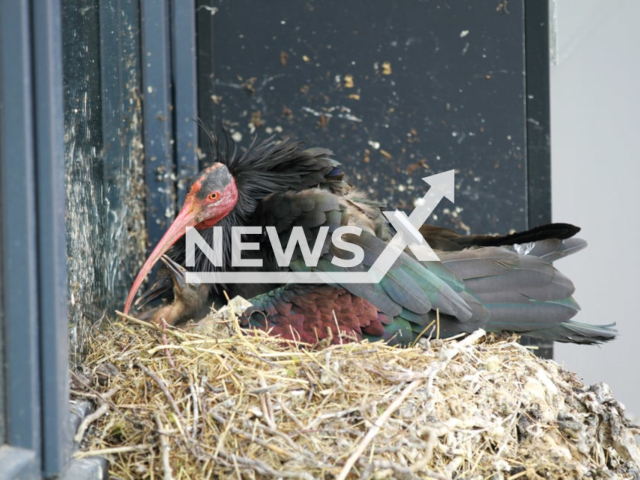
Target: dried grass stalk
(251, 406)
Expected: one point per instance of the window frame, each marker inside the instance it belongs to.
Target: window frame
(36, 390)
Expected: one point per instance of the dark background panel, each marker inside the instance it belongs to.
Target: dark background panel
(398, 90)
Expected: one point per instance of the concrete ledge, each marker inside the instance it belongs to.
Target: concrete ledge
(86, 469)
(18, 464)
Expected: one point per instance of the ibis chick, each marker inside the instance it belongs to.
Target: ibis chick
(190, 302)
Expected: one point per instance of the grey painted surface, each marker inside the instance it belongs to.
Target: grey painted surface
(3, 420)
(397, 91)
(52, 269)
(595, 139)
(185, 92)
(18, 464)
(86, 469)
(158, 118)
(19, 244)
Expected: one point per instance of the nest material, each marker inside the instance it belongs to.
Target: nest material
(203, 404)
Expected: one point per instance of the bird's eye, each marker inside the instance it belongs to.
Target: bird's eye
(214, 196)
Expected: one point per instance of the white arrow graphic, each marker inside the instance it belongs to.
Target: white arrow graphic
(442, 186)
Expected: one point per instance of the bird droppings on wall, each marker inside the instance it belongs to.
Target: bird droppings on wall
(105, 240)
(361, 82)
(105, 192)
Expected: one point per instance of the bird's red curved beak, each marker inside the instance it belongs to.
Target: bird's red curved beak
(186, 218)
(198, 211)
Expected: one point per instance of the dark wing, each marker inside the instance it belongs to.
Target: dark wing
(408, 293)
(447, 240)
(497, 288)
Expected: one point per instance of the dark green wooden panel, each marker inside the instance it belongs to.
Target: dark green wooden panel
(398, 90)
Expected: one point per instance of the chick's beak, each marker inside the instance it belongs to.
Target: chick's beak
(177, 271)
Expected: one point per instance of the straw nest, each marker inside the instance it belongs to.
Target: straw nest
(207, 402)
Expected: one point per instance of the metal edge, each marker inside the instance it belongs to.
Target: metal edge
(185, 91)
(538, 126)
(19, 246)
(205, 13)
(50, 167)
(91, 468)
(117, 54)
(157, 121)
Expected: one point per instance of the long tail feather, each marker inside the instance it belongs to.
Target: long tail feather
(577, 332)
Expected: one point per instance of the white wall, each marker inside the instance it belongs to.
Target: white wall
(595, 137)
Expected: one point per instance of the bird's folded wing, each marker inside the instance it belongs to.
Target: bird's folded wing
(408, 284)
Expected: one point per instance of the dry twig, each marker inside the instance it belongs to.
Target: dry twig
(163, 387)
(252, 405)
(164, 449)
(92, 417)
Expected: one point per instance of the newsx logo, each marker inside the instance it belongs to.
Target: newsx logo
(408, 235)
(283, 257)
